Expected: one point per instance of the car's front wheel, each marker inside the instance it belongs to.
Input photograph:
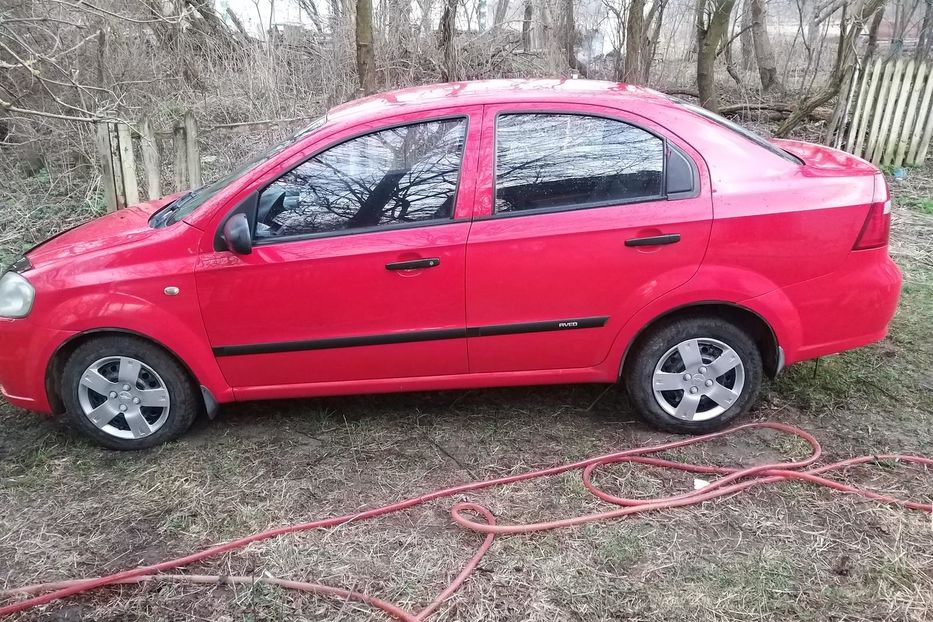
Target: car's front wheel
(693, 375)
(126, 393)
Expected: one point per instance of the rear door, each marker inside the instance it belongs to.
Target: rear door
(584, 215)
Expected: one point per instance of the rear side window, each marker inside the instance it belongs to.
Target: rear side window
(396, 176)
(553, 161)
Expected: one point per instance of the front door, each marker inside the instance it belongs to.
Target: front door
(586, 215)
(357, 270)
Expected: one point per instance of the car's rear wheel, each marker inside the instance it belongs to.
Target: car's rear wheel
(126, 393)
(693, 375)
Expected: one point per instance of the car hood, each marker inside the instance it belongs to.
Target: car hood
(116, 229)
(827, 159)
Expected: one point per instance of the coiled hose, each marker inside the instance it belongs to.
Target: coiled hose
(480, 520)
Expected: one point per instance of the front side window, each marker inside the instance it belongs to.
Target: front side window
(401, 175)
(570, 160)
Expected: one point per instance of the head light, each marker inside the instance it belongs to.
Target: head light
(16, 296)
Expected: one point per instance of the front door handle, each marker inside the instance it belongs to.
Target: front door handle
(654, 240)
(414, 264)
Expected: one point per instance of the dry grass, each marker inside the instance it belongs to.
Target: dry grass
(784, 552)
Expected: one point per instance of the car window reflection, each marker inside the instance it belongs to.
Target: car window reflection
(563, 160)
(405, 174)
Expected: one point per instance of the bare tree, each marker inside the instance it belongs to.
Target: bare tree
(365, 61)
(653, 29)
(925, 41)
(502, 10)
(712, 20)
(527, 14)
(446, 41)
(745, 36)
(568, 35)
(849, 29)
(634, 42)
(873, 29)
(764, 53)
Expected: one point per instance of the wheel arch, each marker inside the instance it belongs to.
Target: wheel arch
(56, 364)
(758, 328)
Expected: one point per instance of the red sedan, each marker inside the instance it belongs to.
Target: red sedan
(462, 235)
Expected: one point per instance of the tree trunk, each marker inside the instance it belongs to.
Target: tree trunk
(447, 25)
(634, 42)
(745, 36)
(568, 35)
(709, 35)
(526, 27)
(655, 19)
(764, 53)
(925, 43)
(364, 46)
(873, 37)
(502, 11)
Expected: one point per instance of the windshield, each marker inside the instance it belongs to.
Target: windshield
(187, 203)
(738, 129)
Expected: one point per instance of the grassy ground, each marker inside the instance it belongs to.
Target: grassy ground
(789, 551)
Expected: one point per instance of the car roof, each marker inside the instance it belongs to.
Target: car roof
(494, 91)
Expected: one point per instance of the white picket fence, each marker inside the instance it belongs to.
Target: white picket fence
(889, 112)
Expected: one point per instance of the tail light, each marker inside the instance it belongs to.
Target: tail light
(877, 225)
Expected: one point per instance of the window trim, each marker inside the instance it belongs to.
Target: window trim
(695, 170)
(361, 230)
(665, 142)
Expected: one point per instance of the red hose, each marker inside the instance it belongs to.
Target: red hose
(733, 480)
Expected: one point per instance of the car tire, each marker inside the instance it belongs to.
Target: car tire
(680, 360)
(102, 401)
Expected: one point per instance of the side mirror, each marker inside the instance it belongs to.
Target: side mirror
(237, 236)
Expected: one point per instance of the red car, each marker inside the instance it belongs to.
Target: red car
(462, 235)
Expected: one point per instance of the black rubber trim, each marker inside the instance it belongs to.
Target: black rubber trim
(19, 266)
(210, 402)
(414, 264)
(655, 240)
(411, 337)
(537, 327)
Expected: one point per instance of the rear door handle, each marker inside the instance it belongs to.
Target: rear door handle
(414, 264)
(654, 240)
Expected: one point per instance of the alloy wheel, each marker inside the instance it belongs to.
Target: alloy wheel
(698, 379)
(124, 397)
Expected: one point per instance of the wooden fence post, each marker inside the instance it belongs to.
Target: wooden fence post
(127, 164)
(871, 101)
(922, 122)
(910, 119)
(878, 109)
(891, 96)
(191, 149)
(105, 154)
(887, 154)
(181, 158)
(149, 145)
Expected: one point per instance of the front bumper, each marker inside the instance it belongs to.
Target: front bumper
(25, 352)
